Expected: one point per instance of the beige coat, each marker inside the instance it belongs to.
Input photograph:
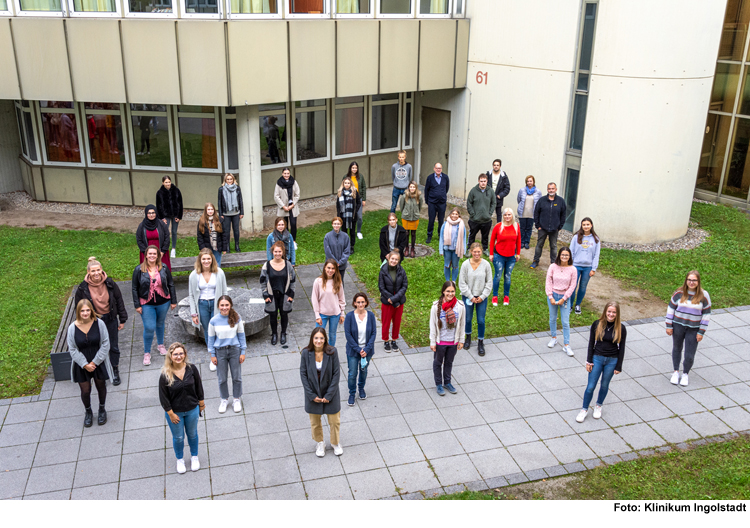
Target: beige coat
(281, 198)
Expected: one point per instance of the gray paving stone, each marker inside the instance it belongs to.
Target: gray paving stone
(52, 495)
(711, 398)
(257, 402)
(12, 483)
(402, 382)
(555, 471)
(478, 438)
(549, 426)
(533, 455)
(144, 417)
(26, 412)
(227, 452)
(286, 361)
(673, 430)
(100, 492)
(531, 405)
(400, 451)
(718, 375)
(388, 427)
(493, 463)
(414, 477)
(50, 478)
(226, 428)
(144, 464)
(356, 433)
(376, 484)
(497, 410)
(152, 488)
(574, 376)
(332, 488)
(649, 409)
(58, 429)
(476, 485)
(456, 488)
(57, 452)
(275, 472)
(232, 478)
(681, 403)
(285, 379)
(379, 406)
(737, 418)
(496, 482)
(569, 449)
(454, 470)
(145, 440)
(637, 367)
(535, 474)
(414, 401)
(17, 457)
(738, 392)
(706, 424)
(513, 349)
(628, 389)
(96, 471)
(276, 445)
(462, 416)
(513, 432)
(393, 364)
(627, 457)
(639, 436)
(499, 369)
(546, 381)
(606, 442)
(612, 459)
(312, 467)
(515, 386)
(482, 391)
(574, 467)
(617, 414)
(426, 422)
(285, 492)
(105, 445)
(530, 364)
(289, 399)
(592, 463)
(361, 458)
(440, 444)
(421, 495)
(190, 485)
(295, 419)
(563, 399)
(725, 337)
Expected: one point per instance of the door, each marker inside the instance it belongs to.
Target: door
(436, 133)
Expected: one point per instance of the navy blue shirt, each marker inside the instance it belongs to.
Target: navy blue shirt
(434, 192)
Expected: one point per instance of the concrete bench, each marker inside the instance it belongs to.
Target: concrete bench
(230, 260)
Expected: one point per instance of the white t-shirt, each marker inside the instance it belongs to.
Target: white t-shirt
(361, 330)
(208, 289)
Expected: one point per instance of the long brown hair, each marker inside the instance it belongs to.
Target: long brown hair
(144, 264)
(603, 322)
(336, 275)
(328, 349)
(204, 219)
(580, 231)
(233, 316)
(168, 369)
(199, 266)
(415, 195)
(85, 302)
(698, 297)
(441, 300)
(279, 244)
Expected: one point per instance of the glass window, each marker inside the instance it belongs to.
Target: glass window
(198, 140)
(715, 138)
(571, 197)
(725, 87)
(4, 5)
(737, 179)
(254, 7)
(307, 7)
(60, 132)
(579, 121)
(104, 133)
(408, 117)
(273, 136)
(349, 125)
(201, 8)
(94, 7)
(151, 135)
(744, 107)
(148, 7)
(587, 42)
(733, 33)
(434, 7)
(230, 139)
(19, 120)
(395, 7)
(384, 118)
(352, 7)
(458, 8)
(311, 134)
(40, 6)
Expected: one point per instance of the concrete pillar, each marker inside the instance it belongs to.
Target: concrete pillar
(248, 154)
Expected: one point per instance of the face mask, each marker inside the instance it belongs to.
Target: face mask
(363, 362)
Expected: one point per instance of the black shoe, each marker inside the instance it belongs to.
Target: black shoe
(274, 337)
(394, 346)
(116, 380)
(236, 248)
(429, 239)
(387, 346)
(102, 419)
(467, 343)
(283, 338)
(480, 347)
(88, 420)
(351, 251)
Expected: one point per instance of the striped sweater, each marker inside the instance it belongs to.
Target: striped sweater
(220, 334)
(689, 314)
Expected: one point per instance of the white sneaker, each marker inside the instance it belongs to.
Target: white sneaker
(173, 253)
(181, 466)
(237, 405)
(223, 406)
(675, 378)
(684, 380)
(295, 246)
(582, 415)
(211, 367)
(552, 343)
(598, 412)
(337, 450)
(320, 450)
(195, 464)
(568, 350)
(359, 236)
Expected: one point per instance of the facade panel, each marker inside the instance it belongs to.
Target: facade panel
(150, 54)
(399, 55)
(145, 185)
(462, 53)
(9, 87)
(437, 54)
(203, 65)
(109, 187)
(42, 57)
(314, 180)
(197, 189)
(247, 67)
(65, 185)
(313, 59)
(357, 56)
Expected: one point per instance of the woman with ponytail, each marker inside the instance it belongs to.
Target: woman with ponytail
(447, 319)
(227, 345)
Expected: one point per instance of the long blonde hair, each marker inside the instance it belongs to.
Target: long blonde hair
(144, 264)
(698, 297)
(199, 266)
(85, 302)
(513, 223)
(602, 326)
(168, 369)
(351, 187)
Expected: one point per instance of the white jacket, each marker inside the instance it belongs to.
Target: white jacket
(460, 322)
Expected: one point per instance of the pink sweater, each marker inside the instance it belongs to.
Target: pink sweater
(325, 302)
(561, 280)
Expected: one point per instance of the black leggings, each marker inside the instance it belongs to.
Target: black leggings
(293, 225)
(278, 298)
(413, 234)
(101, 388)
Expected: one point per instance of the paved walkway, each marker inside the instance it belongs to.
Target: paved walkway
(512, 420)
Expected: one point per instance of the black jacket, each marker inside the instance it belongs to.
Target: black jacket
(221, 204)
(116, 304)
(389, 290)
(434, 193)
(184, 394)
(402, 240)
(142, 284)
(168, 203)
(204, 239)
(502, 187)
(327, 387)
(142, 239)
(550, 214)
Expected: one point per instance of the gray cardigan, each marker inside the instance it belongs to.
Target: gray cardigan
(475, 283)
(194, 291)
(102, 355)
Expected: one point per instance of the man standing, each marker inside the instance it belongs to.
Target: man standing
(401, 175)
(480, 204)
(499, 181)
(436, 195)
(549, 218)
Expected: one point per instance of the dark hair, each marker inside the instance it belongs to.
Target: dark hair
(286, 169)
(364, 296)
(281, 245)
(280, 219)
(552, 183)
(593, 233)
(446, 285)
(497, 160)
(337, 282)
(233, 316)
(349, 172)
(483, 175)
(328, 349)
(570, 256)
(165, 178)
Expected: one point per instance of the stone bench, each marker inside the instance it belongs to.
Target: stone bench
(230, 260)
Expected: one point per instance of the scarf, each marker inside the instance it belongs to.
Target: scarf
(284, 237)
(230, 197)
(99, 294)
(150, 225)
(212, 232)
(450, 315)
(289, 186)
(347, 207)
(460, 249)
(530, 191)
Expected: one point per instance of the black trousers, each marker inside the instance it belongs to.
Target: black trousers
(475, 228)
(110, 320)
(434, 210)
(352, 232)
(278, 298)
(442, 363)
(232, 222)
(292, 225)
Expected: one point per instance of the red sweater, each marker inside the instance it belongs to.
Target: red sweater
(507, 243)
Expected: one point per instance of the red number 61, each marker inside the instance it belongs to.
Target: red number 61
(481, 77)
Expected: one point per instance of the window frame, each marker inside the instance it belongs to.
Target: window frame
(225, 143)
(455, 9)
(575, 92)
(365, 135)
(289, 149)
(413, 13)
(202, 16)
(131, 138)
(449, 14)
(336, 14)
(125, 131)
(408, 100)
(388, 102)
(301, 110)
(24, 133)
(178, 150)
(129, 14)
(20, 12)
(9, 9)
(288, 11)
(40, 126)
(117, 13)
(252, 16)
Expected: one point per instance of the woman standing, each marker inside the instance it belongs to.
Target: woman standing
(320, 370)
(527, 199)
(393, 237)
(360, 185)
(277, 279)
(505, 250)
(688, 315)
(475, 283)
(328, 300)
(104, 295)
(560, 285)
(169, 207)
(153, 296)
(181, 397)
(392, 283)
(585, 248)
(348, 204)
(280, 234)
(231, 209)
(211, 233)
(360, 328)
(152, 232)
(88, 344)
(606, 352)
(286, 195)
(452, 244)
(447, 318)
(226, 344)
(206, 284)
(410, 203)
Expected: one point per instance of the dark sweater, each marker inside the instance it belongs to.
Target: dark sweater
(550, 214)
(437, 193)
(168, 203)
(606, 347)
(184, 394)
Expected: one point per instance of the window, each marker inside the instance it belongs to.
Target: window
(571, 197)
(435, 8)
(395, 8)
(349, 126)
(27, 131)
(581, 97)
(733, 34)
(715, 138)
(196, 128)
(97, 8)
(106, 141)
(737, 178)
(4, 9)
(352, 8)
(230, 139)
(459, 8)
(306, 8)
(148, 8)
(60, 132)
(274, 147)
(40, 7)
(408, 119)
(150, 136)
(254, 8)
(310, 134)
(384, 122)
(200, 8)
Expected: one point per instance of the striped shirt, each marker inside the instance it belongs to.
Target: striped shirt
(220, 334)
(689, 314)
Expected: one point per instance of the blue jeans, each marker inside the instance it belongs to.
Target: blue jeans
(564, 315)
(355, 367)
(450, 260)
(481, 310)
(502, 263)
(604, 367)
(332, 321)
(217, 256)
(205, 313)
(188, 424)
(583, 281)
(394, 199)
(153, 318)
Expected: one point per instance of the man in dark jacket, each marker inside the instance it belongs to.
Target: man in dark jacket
(480, 204)
(549, 218)
(499, 181)
(436, 195)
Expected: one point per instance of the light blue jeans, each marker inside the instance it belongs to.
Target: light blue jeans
(217, 256)
(564, 316)
(604, 367)
(188, 424)
(332, 322)
(481, 309)
(583, 282)
(205, 313)
(502, 263)
(450, 260)
(153, 318)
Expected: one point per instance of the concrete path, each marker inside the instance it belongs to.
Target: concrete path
(512, 420)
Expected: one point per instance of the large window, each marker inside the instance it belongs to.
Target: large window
(254, 8)
(106, 142)
(148, 8)
(349, 126)
(60, 132)
(27, 130)
(198, 145)
(384, 122)
(306, 8)
(311, 134)
(396, 8)
(201, 8)
(352, 8)
(274, 147)
(97, 8)
(150, 136)
(434, 8)
(583, 74)
(40, 7)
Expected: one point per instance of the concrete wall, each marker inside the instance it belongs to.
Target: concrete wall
(11, 177)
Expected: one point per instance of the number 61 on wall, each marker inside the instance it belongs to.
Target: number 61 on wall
(481, 77)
